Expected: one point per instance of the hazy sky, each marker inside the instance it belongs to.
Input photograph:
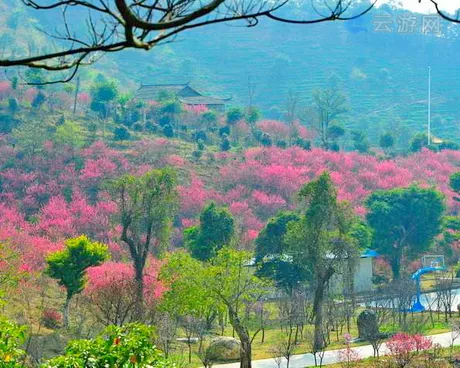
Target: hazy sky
(425, 6)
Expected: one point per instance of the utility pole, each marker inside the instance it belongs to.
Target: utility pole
(77, 90)
(429, 105)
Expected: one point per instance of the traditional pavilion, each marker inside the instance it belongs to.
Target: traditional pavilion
(183, 92)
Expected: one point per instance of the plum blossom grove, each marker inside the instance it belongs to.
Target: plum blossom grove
(53, 194)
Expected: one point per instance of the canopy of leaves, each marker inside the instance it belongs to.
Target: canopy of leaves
(185, 294)
(387, 141)
(70, 134)
(147, 204)
(223, 282)
(405, 221)
(321, 241)
(69, 265)
(362, 234)
(335, 131)
(272, 253)
(271, 238)
(215, 231)
(104, 91)
(454, 182)
(360, 141)
(418, 141)
(234, 114)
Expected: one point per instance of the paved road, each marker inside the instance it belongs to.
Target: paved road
(331, 356)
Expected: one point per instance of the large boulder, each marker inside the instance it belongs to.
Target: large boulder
(368, 328)
(224, 348)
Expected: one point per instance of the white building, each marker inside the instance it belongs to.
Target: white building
(362, 278)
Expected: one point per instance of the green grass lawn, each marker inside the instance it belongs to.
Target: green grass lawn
(274, 335)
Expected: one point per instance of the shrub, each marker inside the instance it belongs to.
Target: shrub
(348, 357)
(51, 318)
(200, 135)
(449, 145)
(168, 131)
(128, 346)
(402, 347)
(281, 143)
(200, 145)
(12, 336)
(234, 114)
(13, 105)
(138, 127)
(266, 140)
(209, 118)
(418, 141)
(197, 154)
(151, 127)
(387, 141)
(39, 100)
(224, 130)
(305, 144)
(121, 134)
(334, 146)
(225, 143)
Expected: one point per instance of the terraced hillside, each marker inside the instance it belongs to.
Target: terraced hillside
(384, 74)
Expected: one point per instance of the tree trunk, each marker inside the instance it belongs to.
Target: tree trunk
(65, 313)
(318, 339)
(395, 267)
(139, 279)
(243, 334)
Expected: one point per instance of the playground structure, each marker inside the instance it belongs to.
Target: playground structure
(431, 263)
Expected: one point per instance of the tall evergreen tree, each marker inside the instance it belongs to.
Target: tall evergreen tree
(321, 242)
(216, 230)
(405, 222)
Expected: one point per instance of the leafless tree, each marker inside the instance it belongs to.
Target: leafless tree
(335, 317)
(314, 348)
(277, 357)
(251, 92)
(291, 112)
(114, 303)
(445, 293)
(285, 348)
(402, 295)
(291, 312)
(262, 314)
(112, 26)
(166, 329)
(381, 304)
(430, 301)
(192, 327)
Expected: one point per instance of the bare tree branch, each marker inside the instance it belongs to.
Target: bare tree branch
(112, 26)
(444, 15)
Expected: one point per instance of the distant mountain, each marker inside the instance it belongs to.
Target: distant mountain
(380, 62)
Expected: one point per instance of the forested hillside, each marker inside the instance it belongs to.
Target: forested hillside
(168, 228)
(383, 74)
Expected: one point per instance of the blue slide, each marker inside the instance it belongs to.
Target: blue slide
(418, 307)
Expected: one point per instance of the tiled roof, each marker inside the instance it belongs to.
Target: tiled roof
(202, 100)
